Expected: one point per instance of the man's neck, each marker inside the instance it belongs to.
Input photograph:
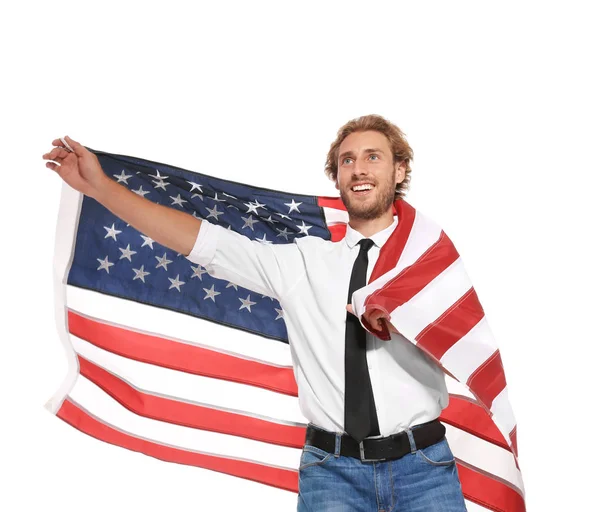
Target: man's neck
(368, 227)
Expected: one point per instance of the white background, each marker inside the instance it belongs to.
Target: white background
(499, 102)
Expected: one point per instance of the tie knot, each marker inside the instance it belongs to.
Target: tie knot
(365, 244)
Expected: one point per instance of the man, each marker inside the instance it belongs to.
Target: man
(374, 441)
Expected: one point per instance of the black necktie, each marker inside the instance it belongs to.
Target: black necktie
(360, 417)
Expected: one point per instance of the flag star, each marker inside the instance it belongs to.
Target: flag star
(270, 220)
(283, 232)
(140, 274)
(214, 213)
(247, 303)
(283, 216)
(198, 195)
(279, 313)
(263, 296)
(141, 191)
(249, 222)
(264, 239)
(252, 207)
(122, 178)
(293, 206)
(127, 253)
(159, 177)
(195, 215)
(228, 195)
(175, 283)
(178, 200)
(217, 199)
(198, 271)
(232, 284)
(147, 241)
(160, 184)
(233, 206)
(304, 228)
(104, 264)
(112, 232)
(211, 293)
(229, 227)
(163, 262)
(195, 186)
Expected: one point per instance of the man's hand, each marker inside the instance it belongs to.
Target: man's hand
(376, 318)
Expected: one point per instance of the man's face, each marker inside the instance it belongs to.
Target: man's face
(366, 157)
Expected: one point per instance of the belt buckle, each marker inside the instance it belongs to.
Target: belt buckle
(362, 454)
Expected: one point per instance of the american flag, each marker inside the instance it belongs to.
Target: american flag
(168, 361)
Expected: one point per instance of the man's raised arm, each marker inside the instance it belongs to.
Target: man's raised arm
(81, 170)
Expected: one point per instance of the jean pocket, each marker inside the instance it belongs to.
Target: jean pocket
(313, 456)
(437, 454)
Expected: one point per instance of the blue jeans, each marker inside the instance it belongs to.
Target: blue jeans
(421, 481)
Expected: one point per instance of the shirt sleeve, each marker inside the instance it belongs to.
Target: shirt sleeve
(268, 269)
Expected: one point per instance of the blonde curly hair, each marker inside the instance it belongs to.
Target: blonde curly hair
(400, 149)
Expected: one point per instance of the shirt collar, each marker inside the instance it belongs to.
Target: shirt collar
(353, 237)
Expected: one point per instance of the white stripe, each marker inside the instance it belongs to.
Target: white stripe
(66, 229)
(335, 216)
(109, 411)
(484, 455)
(218, 393)
(475, 507)
(457, 388)
(432, 301)
(503, 414)
(471, 351)
(173, 325)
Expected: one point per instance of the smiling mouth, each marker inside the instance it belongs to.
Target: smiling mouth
(362, 192)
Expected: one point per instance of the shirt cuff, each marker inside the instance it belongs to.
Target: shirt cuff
(206, 244)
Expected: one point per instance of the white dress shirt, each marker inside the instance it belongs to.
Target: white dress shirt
(310, 278)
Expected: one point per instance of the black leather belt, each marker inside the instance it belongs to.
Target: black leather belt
(377, 449)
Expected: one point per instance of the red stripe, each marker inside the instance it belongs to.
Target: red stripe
(487, 491)
(488, 380)
(182, 357)
(191, 415)
(394, 247)
(338, 231)
(331, 202)
(469, 416)
(286, 479)
(411, 280)
(443, 333)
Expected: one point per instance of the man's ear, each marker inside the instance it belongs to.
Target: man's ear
(400, 172)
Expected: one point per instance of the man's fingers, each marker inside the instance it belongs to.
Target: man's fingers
(56, 153)
(78, 148)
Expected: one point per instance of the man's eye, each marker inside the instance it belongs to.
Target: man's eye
(373, 155)
(344, 161)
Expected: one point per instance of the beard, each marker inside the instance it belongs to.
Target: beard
(380, 201)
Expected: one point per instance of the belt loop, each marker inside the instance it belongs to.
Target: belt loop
(411, 439)
(338, 444)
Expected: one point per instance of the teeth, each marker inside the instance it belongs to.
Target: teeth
(362, 187)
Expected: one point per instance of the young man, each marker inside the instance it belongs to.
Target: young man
(374, 441)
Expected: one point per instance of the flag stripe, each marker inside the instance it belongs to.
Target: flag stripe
(489, 379)
(182, 357)
(467, 354)
(467, 415)
(76, 416)
(484, 457)
(441, 335)
(99, 404)
(488, 492)
(176, 326)
(189, 414)
(216, 393)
